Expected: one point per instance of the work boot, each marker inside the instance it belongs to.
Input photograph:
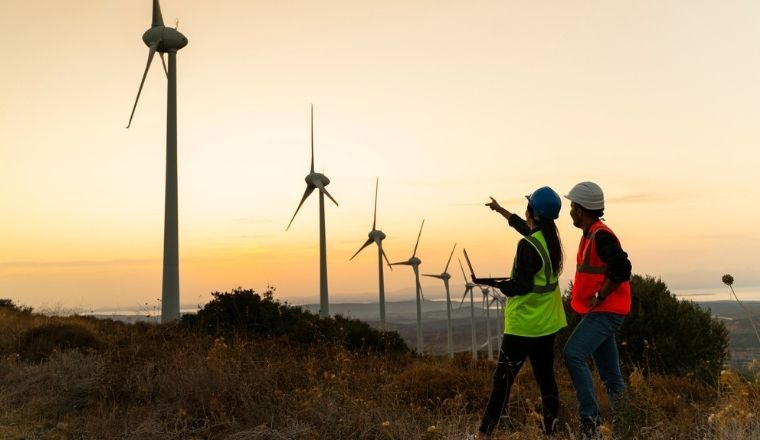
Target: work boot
(590, 428)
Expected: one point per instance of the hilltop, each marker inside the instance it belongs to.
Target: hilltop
(152, 381)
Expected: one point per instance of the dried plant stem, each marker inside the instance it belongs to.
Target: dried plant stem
(749, 314)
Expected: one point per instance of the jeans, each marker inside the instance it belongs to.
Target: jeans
(514, 350)
(594, 336)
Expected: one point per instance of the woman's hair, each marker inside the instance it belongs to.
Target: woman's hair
(551, 235)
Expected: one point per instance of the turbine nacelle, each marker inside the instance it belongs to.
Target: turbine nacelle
(169, 39)
(444, 276)
(414, 262)
(317, 179)
(376, 235)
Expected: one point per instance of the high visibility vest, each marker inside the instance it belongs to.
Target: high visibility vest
(590, 276)
(540, 312)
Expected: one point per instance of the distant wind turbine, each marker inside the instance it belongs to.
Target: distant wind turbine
(314, 181)
(468, 287)
(162, 39)
(444, 276)
(415, 263)
(377, 236)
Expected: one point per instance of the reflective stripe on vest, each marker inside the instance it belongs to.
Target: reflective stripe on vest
(585, 266)
(547, 265)
(539, 312)
(590, 277)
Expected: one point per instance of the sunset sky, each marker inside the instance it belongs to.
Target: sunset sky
(447, 102)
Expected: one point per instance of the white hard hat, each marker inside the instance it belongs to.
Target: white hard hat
(587, 194)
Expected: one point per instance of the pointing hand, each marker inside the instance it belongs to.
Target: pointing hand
(494, 205)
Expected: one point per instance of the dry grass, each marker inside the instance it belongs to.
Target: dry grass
(162, 382)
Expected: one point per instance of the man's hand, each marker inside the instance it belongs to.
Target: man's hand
(595, 300)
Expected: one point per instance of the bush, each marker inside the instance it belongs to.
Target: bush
(665, 335)
(670, 336)
(38, 343)
(243, 312)
(8, 304)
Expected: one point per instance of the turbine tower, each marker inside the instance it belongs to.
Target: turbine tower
(486, 292)
(468, 287)
(377, 236)
(445, 277)
(415, 263)
(314, 181)
(500, 304)
(166, 40)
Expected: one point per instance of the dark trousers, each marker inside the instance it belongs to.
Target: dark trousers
(514, 350)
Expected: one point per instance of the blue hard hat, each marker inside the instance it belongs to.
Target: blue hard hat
(545, 203)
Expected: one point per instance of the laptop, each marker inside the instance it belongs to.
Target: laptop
(472, 272)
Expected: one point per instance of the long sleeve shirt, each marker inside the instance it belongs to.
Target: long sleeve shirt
(527, 262)
(609, 250)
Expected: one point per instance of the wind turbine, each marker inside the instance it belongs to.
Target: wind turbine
(162, 39)
(445, 277)
(486, 292)
(377, 236)
(314, 181)
(468, 286)
(415, 263)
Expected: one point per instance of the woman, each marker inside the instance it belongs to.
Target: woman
(534, 312)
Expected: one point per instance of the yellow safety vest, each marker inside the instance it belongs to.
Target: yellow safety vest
(540, 312)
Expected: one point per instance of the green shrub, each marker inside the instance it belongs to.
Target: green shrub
(243, 312)
(8, 304)
(38, 343)
(670, 336)
(665, 335)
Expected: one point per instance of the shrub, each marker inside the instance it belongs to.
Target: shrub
(245, 313)
(38, 343)
(666, 335)
(8, 304)
(671, 336)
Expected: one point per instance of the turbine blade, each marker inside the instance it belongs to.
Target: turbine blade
(417, 280)
(463, 298)
(374, 218)
(414, 254)
(366, 243)
(323, 190)
(163, 61)
(158, 19)
(462, 267)
(306, 194)
(152, 52)
(312, 138)
(401, 263)
(452, 254)
(380, 244)
(431, 275)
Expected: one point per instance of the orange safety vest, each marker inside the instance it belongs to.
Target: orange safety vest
(590, 275)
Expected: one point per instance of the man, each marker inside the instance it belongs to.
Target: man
(601, 293)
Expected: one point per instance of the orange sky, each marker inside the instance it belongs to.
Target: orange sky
(657, 101)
